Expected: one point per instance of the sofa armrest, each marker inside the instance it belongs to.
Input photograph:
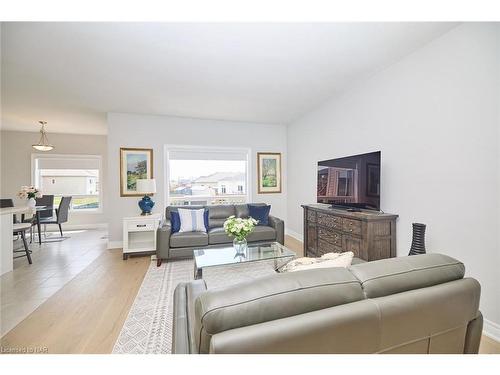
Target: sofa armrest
(185, 294)
(279, 227)
(163, 241)
(473, 334)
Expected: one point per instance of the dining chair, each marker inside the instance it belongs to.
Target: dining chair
(62, 213)
(4, 203)
(46, 201)
(7, 202)
(19, 229)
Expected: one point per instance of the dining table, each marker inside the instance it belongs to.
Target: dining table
(6, 228)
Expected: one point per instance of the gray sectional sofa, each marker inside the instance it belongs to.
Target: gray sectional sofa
(416, 304)
(181, 245)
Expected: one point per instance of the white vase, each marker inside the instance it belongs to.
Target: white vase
(32, 203)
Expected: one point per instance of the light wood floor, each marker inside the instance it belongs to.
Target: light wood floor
(87, 314)
(54, 265)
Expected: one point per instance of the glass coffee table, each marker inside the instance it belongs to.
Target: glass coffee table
(223, 266)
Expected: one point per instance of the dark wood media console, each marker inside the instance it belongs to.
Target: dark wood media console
(368, 234)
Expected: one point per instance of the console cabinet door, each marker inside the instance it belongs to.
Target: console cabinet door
(312, 240)
(353, 244)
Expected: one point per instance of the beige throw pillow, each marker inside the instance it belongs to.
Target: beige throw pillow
(327, 260)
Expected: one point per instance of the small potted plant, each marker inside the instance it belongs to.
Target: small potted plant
(239, 228)
(29, 193)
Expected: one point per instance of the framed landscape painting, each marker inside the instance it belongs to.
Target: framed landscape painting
(135, 163)
(269, 172)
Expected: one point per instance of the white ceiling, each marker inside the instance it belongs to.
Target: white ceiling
(71, 74)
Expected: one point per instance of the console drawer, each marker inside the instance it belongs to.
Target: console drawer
(334, 222)
(352, 226)
(326, 247)
(331, 236)
(311, 216)
(352, 244)
(140, 226)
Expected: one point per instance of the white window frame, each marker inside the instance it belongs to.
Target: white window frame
(98, 210)
(170, 147)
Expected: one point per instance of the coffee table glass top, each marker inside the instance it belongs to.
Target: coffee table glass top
(227, 255)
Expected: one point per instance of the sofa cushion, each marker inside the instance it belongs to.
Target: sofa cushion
(176, 221)
(192, 220)
(396, 275)
(188, 239)
(242, 209)
(171, 209)
(218, 235)
(271, 297)
(218, 214)
(261, 233)
(259, 213)
(328, 260)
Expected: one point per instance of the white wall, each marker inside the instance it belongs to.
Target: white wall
(16, 153)
(435, 117)
(148, 131)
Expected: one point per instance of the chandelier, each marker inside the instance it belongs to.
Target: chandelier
(43, 144)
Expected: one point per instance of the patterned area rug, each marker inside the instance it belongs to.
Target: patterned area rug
(148, 327)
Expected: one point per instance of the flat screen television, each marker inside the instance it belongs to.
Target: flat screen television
(350, 182)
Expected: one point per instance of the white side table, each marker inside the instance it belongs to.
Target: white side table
(139, 234)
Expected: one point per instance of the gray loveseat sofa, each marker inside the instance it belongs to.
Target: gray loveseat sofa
(416, 304)
(181, 245)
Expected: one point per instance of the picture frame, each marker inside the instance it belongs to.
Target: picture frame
(134, 163)
(372, 178)
(268, 172)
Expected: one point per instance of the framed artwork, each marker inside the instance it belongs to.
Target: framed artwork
(269, 172)
(135, 163)
(373, 180)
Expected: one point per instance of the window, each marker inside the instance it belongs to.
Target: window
(70, 175)
(345, 179)
(206, 176)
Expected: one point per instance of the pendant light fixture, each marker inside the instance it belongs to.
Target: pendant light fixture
(43, 144)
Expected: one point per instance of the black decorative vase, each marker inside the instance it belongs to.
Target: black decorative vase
(418, 240)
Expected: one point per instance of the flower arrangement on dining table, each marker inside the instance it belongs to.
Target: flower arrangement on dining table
(28, 192)
(238, 227)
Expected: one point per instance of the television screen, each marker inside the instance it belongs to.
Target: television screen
(353, 181)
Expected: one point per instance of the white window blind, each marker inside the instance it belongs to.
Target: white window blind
(207, 154)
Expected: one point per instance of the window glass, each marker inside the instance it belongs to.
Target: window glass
(207, 181)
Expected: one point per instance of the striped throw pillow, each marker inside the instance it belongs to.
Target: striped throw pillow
(192, 220)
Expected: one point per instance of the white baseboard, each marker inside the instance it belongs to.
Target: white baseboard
(115, 244)
(54, 228)
(492, 330)
(294, 234)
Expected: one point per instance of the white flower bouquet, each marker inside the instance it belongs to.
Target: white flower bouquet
(28, 192)
(238, 227)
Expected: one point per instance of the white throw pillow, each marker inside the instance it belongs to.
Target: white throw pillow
(192, 220)
(326, 261)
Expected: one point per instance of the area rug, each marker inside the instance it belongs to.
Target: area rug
(148, 327)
